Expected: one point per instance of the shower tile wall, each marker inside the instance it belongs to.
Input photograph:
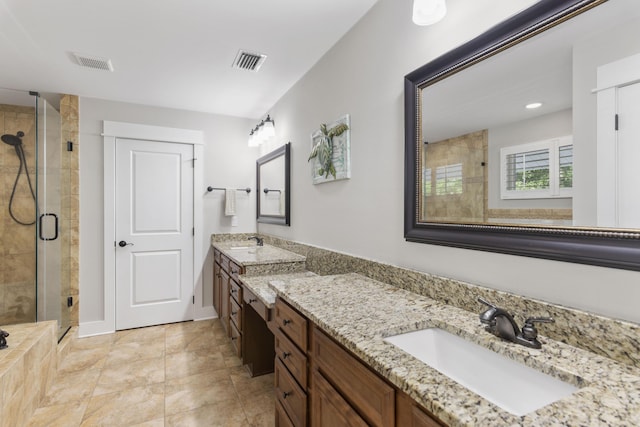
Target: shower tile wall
(17, 250)
(70, 193)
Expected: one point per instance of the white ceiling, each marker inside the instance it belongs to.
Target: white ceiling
(494, 92)
(168, 53)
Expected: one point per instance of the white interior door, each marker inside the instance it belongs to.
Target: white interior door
(628, 176)
(154, 232)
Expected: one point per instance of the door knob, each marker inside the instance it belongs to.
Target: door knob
(122, 244)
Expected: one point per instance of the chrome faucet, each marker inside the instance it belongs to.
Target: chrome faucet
(501, 324)
(259, 240)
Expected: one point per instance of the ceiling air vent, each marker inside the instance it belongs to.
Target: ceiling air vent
(248, 61)
(94, 62)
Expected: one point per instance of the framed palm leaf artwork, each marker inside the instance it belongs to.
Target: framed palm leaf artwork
(330, 156)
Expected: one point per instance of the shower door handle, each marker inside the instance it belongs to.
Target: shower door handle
(55, 226)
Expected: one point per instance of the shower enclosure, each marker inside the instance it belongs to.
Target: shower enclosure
(34, 280)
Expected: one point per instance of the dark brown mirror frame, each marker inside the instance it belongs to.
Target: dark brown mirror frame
(601, 247)
(285, 151)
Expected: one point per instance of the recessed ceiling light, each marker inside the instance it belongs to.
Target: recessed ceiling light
(533, 105)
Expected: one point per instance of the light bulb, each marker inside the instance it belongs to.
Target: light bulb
(428, 12)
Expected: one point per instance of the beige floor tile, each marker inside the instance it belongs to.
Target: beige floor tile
(82, 359)
(191, 340)
(128, 375)
(228, 414)
(266, 419)
(153, 333)
(127, 352)
(199, 390)
(257, 404)
(129, 407)
(71, 388)
(188, 363)
(130, 379)
(66, 415)
(93, 342)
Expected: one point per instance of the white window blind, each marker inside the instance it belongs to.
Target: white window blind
(449, 179)
(542, 169)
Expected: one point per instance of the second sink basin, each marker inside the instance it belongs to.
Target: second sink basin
(514, 387)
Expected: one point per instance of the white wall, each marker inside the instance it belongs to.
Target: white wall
(363, 76)
(228, 162)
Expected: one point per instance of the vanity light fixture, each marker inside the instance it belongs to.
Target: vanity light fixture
(533, 105)
(428, 12)
(262, 132)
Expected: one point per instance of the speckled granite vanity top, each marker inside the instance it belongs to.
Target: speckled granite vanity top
(261, 288)
(359, 312)
(250, 254)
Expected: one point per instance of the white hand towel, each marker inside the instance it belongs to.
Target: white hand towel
(230, 202)
(282, 200)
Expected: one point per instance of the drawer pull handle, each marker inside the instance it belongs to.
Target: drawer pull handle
(233, 291)
(233, 313)
(286, 394)
(234, 338)
(285, 322)
(285, 355)
(252, 300)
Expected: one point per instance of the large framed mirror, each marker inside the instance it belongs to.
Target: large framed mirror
(273, 172)
(560, 181)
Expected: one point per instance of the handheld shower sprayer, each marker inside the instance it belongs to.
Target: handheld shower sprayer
(16, 142)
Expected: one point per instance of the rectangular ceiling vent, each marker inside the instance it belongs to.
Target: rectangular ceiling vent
(94, 62)
(248, 61)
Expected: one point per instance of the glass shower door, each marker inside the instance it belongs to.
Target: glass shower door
(51, 288)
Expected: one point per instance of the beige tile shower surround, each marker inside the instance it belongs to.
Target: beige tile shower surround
(18, 273)
(18, 249)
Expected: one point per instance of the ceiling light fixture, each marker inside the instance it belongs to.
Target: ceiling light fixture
(533, 105)
(263, 131)
(428, 12)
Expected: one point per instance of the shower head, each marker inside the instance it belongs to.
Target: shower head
(13, 140)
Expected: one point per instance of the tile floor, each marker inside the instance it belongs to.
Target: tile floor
(182, 374)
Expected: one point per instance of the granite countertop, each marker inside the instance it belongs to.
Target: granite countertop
(260, 287)
(247, 253)
(359, 312)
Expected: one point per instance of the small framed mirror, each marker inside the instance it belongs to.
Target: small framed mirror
(273, 172)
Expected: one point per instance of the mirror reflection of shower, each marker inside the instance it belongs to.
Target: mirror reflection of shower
(16, 142)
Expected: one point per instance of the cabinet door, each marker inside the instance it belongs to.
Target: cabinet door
(217, 279)
(410, 414)
(329, 409)
(224, 300)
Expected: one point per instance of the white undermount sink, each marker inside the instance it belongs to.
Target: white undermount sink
(510, 385)
(237, 248)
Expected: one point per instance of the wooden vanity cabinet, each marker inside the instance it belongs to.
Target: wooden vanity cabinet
(291, 366)
(227, 292)
(410, 414)
(320, 383)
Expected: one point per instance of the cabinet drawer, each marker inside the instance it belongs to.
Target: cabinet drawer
(236, 339)
(292, 323)
(258, 306)
(216, 255)
(371, 396)
(234, 270)
(282, 419)
(224, 262)
(292, 398)
(292, 358)
(235, 291)
(235, 314)
(329, 408)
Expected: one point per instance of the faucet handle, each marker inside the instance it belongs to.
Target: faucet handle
(529, 330)
(487, 303)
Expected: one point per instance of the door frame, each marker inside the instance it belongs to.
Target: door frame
(610, 77)
(111, 132)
